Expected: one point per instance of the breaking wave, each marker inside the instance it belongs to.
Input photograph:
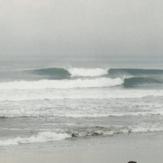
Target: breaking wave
(68, 78)
(85, 72)
(95, 72)
(139, 77)
(39, 138)
(130, 77)
(63, 73)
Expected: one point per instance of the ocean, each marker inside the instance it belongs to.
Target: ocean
(53, 103)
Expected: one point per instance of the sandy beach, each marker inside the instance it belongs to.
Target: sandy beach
(143, 148)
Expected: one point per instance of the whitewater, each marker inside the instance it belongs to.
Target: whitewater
(57, 103)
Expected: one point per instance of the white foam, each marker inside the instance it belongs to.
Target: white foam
(94, 93)
(61, 84)
(147, 129)
(39, 138)
(87, 72)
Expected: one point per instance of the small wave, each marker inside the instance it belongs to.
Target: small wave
(87, 72)
(61, 84)
(98, 131)
(39, 138)
(111, 131)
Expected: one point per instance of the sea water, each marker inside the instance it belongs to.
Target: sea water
(47, 102)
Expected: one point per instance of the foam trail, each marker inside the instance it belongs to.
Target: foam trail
(61, 84)
(39, 138)
(87, 72)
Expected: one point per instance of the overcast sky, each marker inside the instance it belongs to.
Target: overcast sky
(81, 27)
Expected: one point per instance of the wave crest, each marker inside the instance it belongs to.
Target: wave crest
(87, 72)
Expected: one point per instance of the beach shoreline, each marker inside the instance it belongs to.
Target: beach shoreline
(143, 148)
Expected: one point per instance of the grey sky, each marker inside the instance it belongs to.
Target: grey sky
(75, 27)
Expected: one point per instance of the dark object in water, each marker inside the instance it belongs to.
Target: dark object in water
(74, 135)
(132, 162)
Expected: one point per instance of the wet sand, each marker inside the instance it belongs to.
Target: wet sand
(143, 148)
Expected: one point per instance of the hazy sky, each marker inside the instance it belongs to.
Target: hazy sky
(81, 28)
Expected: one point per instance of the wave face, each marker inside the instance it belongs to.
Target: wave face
(52, 73)
(142, 82)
